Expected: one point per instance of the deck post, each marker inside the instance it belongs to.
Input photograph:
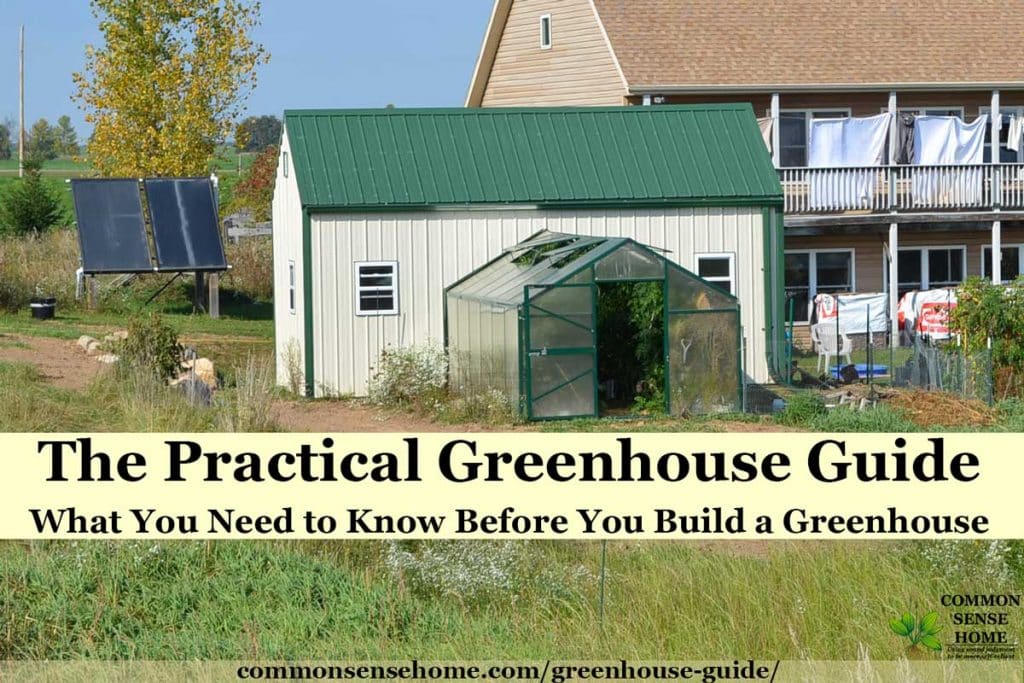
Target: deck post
(996, 191)
(213, 295)
(894, 285)
(894, 138)
(776, 137)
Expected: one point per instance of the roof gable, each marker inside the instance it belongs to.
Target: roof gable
(409, 158)
(735, 43)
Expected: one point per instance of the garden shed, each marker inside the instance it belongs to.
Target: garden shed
(567, 325)
(377, 212)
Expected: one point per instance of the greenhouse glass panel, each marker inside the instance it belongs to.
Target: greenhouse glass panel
(703, 362)
(548, 373)
(573, 400)
(562, 317)
(629, 262)
(689, 293)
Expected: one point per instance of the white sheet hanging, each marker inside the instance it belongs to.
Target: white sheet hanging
(1014, 133)
(948, 141)
(839, 144)
(765, 124)
(857, 312)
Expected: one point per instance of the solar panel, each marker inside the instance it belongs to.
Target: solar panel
(111, 229)
(185, 230)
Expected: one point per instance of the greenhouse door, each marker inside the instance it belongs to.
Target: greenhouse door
(560, 353)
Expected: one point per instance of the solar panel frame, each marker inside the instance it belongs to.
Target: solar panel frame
(186, 233)
(125, 227)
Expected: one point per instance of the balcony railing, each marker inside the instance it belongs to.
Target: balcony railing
(875, 189)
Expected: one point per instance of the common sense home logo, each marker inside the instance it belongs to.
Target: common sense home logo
(919, 632)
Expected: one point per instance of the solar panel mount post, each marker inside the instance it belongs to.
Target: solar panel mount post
(186, 234)
(111, 226)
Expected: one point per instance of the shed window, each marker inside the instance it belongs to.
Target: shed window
(284, 163)
(377, 288)
(291, 286)
(718, 269)
(545, 32)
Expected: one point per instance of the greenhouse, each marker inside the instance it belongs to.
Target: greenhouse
(579, 326)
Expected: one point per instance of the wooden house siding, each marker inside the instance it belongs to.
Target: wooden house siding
(869, 256)
(578, 69)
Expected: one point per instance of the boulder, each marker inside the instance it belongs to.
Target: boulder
(195, 390)
(94, 348)
(119, 335)
(108, 358)
(84, 341)
(203, 369)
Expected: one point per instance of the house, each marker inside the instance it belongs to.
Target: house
(377, 212)
(917, 225)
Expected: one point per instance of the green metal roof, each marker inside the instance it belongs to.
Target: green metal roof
(414, 158)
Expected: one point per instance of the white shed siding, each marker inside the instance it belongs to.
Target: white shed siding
(287, 237)
(435, 248)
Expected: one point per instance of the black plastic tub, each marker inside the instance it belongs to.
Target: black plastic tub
(43, 308)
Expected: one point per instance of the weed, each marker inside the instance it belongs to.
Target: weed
(245, 407)
(802, 409)
(151, 346)
(410, 377)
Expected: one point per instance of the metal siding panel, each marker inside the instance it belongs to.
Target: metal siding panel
(433, 251)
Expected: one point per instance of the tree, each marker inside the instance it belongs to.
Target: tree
(42, 142)
(67, 138)
(256, 133)
(166, 85)
(30, 205)
(255, 190)
(6, 148)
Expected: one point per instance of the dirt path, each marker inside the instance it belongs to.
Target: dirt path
(59, 361)
(352, 416)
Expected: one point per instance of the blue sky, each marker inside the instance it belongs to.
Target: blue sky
(324, 53)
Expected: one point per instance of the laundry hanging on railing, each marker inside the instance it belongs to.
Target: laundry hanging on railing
(846, 142)
(766, 125)
(1014, 133)
(949, 142)
(905, 138)
(856, 313)
(926, 313)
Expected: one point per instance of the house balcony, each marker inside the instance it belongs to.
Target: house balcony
(903, 189)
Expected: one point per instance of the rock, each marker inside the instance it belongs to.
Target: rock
(119, 335)
(195, 390)
(94, 348)
(203, 370)
(84, 341)
(108, 358)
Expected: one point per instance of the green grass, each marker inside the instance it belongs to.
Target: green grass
(249, 319)
(302, 600)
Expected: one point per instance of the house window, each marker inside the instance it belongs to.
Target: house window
(813, 272)
(377, 288)
(719, 269)
(1011, 264)
(291, 287)
(930, 267)
(1006, 156)
(545, 32)
(795, 131)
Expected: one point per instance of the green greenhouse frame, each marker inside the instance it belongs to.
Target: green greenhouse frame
(525, 324)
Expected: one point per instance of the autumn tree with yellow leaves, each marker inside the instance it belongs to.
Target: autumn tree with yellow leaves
(167, 84)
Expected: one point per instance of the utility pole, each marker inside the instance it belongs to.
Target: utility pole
(21, 104)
